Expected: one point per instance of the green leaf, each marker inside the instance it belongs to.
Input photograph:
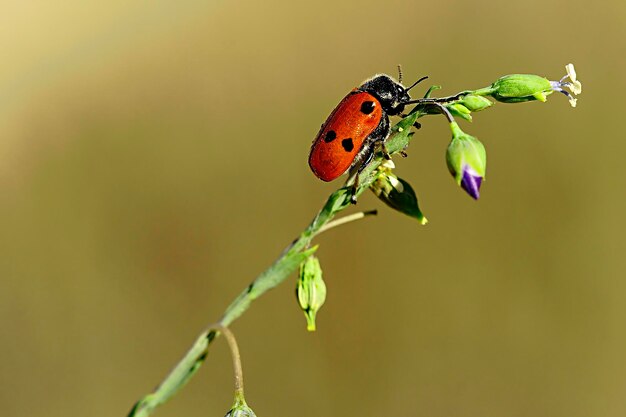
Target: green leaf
(431, 89)
(397, 194)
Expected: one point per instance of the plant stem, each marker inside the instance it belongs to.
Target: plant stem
(347, 219)
(234, 353)
(286, 264)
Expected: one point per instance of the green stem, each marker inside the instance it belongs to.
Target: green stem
(348, 219)
(286, 264)
(485, 91)
(234, 353)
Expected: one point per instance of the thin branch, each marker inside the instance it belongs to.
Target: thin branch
(348, 219)
(234, 353)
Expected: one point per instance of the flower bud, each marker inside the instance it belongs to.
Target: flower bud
(311, 290)
(240, 411)
(240, 408)
(397, 193)
(467, 160)
(459, 110)
(518, 88)
(475, 103)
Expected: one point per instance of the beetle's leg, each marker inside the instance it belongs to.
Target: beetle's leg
(355, 187)
(383, 147)
(367, 158)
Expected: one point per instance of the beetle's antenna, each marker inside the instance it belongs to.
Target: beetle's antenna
(400, 73)
(417, 82)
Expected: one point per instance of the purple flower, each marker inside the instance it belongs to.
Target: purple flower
(471, 182)
(467, 161)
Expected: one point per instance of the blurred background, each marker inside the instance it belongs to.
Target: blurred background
(153, 160)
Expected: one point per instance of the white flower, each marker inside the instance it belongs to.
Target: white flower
(573, 84)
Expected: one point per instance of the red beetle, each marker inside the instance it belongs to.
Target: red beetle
(358, 124)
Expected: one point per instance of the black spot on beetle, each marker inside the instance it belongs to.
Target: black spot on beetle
(367, 107)
(347, 144)
(330, 136)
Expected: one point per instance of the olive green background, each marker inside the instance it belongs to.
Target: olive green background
(153, 161)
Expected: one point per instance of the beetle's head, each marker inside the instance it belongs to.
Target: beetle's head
(391, 94)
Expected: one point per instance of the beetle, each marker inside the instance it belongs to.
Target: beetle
(357, 126)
